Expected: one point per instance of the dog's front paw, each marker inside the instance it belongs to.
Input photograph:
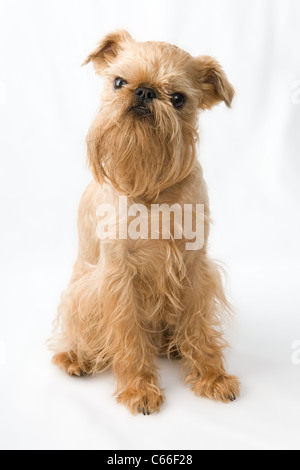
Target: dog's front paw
(145, 401)
(224, 388)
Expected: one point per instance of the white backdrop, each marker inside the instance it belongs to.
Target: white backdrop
(251, 159)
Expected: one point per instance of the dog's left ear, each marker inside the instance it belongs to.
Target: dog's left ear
(212, 83)
(108, 49)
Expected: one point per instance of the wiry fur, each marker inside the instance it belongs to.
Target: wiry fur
(130, 301)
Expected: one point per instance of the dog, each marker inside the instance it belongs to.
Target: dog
(131, 301)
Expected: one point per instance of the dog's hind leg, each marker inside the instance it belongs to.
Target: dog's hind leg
(74, 341)
(78, 340)
(68, 362)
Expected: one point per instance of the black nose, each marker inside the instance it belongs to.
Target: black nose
(145, 95)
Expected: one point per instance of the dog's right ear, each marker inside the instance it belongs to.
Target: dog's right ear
(107, 50)
(212, 83)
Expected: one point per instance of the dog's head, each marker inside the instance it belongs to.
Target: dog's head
(143, 138)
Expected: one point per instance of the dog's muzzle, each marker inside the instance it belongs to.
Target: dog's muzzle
(144, 96)
(142, 110)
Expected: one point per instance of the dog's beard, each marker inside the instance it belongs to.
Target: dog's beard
(141, 156)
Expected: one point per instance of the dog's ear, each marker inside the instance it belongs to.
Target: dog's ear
(212, 83)
(107, 50)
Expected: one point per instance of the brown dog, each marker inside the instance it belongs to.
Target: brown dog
(131, 300)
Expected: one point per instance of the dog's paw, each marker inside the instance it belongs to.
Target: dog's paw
(145, 402)
(68, 362)
(225, 388)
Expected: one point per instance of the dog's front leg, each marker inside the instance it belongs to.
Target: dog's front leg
(133, 352)
(201, 342)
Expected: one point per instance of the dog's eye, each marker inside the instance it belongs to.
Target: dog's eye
(119, 83)
(178, 100)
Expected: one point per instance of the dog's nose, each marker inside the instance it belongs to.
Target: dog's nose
(145, 95)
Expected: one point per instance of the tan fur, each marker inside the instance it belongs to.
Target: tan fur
(130, 301)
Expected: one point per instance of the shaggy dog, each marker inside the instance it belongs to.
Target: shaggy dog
(131, 300)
